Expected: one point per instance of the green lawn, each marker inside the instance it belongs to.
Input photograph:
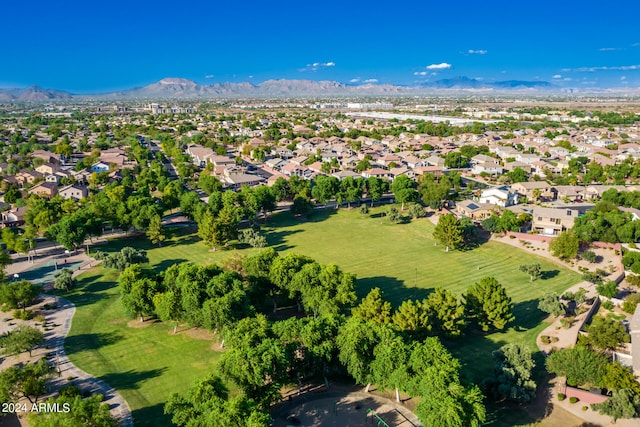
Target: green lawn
(404, 262)
(147, 364)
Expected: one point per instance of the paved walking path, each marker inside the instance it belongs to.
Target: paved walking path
(62, 317)
(60, 320)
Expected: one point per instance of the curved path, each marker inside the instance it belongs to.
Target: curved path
(62, 317)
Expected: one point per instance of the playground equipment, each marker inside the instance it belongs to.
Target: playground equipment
(374, 417)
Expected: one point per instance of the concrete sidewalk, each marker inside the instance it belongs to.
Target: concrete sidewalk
(59, 322)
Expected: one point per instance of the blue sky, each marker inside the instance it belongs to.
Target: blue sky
(85, 46)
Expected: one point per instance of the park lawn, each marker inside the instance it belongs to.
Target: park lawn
(403, 261)
(182, 244)
(147, 364)
(144, 362)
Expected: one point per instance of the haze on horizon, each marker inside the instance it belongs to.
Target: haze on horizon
(98, 47)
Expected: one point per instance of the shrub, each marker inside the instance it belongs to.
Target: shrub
(561, 397)
(23, 314)
(584, 408)
(364, 210)
(589, 256)
(608, 289)
(633, 279)
(573, 399)
(252, 238)
(608, 305)
(630, 303)
(567, 322)
(416, 210)
(545, 339)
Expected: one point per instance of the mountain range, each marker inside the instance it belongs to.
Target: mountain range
(179, 88)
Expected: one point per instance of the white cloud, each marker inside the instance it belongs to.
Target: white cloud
(477, 52)
(441, 66)
(604, 68)
(623, 78)
(250, 77)
(371, 81)
(420, 73)
(209, 76)
(608, 49)
(355, 80)
(317, 65)
(557, 76)
(567, 79)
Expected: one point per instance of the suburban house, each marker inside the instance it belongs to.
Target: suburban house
(13, 217)
(26, 176)
(236, 179)
(377, 172)
(73, 192)
(500, 196)
(553, 221)
(491, 168)
(100, 167)
(47, 169)
(572, 192)
(44, 189)
(199, 154)
(530, 189)
(346, 173)
(475, 210)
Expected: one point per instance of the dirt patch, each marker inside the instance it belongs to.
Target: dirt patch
(137, 324)
(195, 333)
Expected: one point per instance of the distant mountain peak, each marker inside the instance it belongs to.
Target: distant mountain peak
(177, 81)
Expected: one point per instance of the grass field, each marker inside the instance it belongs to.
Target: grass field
(147, 364)
(144, 362)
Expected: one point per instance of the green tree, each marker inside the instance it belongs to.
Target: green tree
(448, 232)
(21, 339)
(580, 365)
(403, 189)
(64, 280)
(325, 188)
(70, 232)
(26, 381)
(155, 232)
(618, 376)
(375, 188)
(373, 308)
(208, 403)
(168, 308)
(412, 317)
(606, 334)
(393, 215)
(446, 312)
(533, 270)
(622, 404)
(16, 295)
(488, 304)
(608, 289)
(89, 411)
(512, 378)
(356, 341)
(389, 365)
(566, 245)
(137, 291)
(436, 379)
(550, 303)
